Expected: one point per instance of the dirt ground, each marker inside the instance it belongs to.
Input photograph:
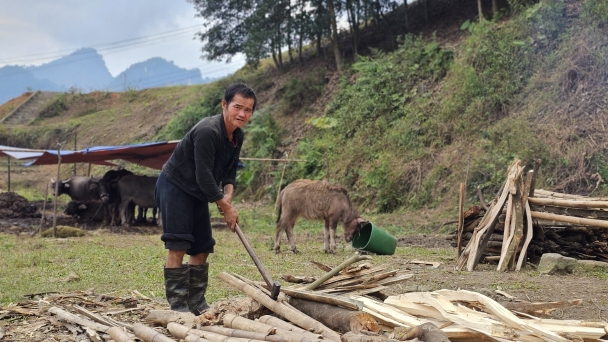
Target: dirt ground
(18, 217)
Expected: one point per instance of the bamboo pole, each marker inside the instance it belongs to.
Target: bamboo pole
(56, 192)
(181, 331)
(569, 203)
(570, 219)
(149, 335)
(119, 335)
(281, 309)
(46, 196)
(325, 298)
(8, 158)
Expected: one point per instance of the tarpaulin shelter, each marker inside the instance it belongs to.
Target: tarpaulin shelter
(152, 155)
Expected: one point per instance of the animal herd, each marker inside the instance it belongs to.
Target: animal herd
(111, 198)
(114, 197)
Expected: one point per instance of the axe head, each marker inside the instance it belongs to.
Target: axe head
(274, 290)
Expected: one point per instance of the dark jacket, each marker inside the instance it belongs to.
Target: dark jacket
(196, 163)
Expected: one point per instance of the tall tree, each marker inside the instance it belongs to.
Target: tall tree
(334, 35)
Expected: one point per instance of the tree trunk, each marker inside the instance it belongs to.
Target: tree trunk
(406, 16)
(480, 10)
(337, 318)
(334, 35)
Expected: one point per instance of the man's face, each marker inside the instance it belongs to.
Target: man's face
(238, 112)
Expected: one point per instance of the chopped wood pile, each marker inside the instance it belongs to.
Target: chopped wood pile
(305, 312)
(522, 223)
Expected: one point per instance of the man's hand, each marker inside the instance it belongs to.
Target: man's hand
(230, 215)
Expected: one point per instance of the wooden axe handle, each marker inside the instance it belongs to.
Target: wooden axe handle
(272, 285)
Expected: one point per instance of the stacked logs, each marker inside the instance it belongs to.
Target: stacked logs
(537, 221)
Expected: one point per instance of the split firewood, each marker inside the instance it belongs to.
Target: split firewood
(280, 309)
(281, 324)
(337, 318)
(324, 298)
(534, 308)
(427, 332)
(149, 335)
(343, 277)
(356, 268)
(235, 332)
(297, 279)
(355, 258)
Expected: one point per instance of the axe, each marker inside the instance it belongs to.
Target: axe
(274, 286)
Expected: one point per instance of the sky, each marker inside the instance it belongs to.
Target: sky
(124, 32)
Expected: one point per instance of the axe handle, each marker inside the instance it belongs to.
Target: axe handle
(254, 257)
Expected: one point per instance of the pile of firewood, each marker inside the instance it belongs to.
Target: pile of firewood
(309, 312)
(522, 223)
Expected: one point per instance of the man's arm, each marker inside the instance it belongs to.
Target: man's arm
(224, 205)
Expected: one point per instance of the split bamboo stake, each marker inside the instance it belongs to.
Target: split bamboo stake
(587, 204)
(281, 309)
(460, 217)
(181, 331)
(355, 258)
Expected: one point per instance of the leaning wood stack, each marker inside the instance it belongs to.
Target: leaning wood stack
(523, 222)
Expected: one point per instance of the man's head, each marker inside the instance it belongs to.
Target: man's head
(238, 106)
(240, 89)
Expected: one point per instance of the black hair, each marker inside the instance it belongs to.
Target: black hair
(241, 89)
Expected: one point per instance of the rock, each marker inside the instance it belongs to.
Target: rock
(592, 265)
(554, 263)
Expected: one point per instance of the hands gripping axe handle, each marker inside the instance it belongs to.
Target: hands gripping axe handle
(274, 286)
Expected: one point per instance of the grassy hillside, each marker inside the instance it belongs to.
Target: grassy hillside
(401, 129)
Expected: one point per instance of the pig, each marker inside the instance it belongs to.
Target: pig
(312, 199)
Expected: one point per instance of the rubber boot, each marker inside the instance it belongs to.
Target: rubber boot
(176, 288)
(199, 278)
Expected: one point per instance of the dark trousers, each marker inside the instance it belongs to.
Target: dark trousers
(186, 220)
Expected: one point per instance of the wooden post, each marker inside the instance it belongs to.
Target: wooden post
(89, 172)
(460, 218)
(56, 191)
(535, 171)
(276, 203)
(46, 195)
(8, 158)
(75, 134)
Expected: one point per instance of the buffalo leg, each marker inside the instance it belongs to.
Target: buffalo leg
(326, 246)
(332, 237)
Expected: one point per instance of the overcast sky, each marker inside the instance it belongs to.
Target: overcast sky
(34, 32)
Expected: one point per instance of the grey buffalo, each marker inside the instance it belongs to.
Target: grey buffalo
(135, 190)
(85, 211)
(108, 192)
(316, 200)
(79, 188)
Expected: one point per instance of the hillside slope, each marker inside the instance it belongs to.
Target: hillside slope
(400, 129)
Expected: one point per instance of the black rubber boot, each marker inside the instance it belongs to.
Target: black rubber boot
(199, 278)
(176, 288)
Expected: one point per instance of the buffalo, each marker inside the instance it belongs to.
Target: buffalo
(135, 190)
(85, 211)
(108, 192)
(79, 188)
(316, 200)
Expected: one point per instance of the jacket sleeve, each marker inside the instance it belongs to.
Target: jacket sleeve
(205, 143)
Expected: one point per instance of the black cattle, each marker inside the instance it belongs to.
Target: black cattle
(108, 192)
(85, 211)
(137, 190)
(79, 188)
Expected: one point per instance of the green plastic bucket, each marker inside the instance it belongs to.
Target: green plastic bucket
(374, 239)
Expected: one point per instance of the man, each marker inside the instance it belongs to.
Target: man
(204, 161)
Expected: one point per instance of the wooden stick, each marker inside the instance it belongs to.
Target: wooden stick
(164, 317)
(529, 236)
(460, 218)
(355, 258)
(281, 324)
(272, 159)
(42, 218)
(534, 173)
(337, 318)
(292, 315)
(235, 332)
(119, 335)
(570, 219)
(148, 334)
(568, 203)
(78, 320)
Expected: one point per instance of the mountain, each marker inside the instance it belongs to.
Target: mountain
(152, 73)
(85, 70)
